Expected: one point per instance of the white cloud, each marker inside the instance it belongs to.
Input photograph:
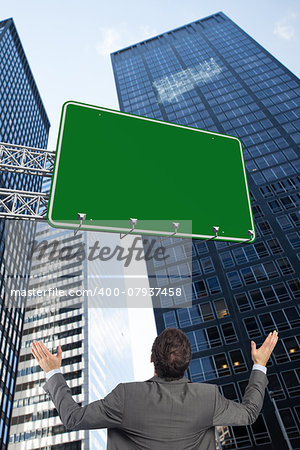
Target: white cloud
(284, 28)
(113, 39)
(147, 31)
(284, 31)
(109, 41)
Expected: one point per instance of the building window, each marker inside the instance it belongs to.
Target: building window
(214, 285)
(284, 222)
(189, 316)
(294, 239)
(206, 312)
(226, 259)
(237, 361)
(265, 228)
(196, 370)
(284, 265)
(207, 265)
(221, 308)
(294, 286)
(292, 382)
(281, 292)
(289, 423)
(209, 367)
(258, 178)
(239, 255)
(220, 245)
(195, 315)
(213, 336)
(200, 289)
(257, 212)
(196, 270)
(260, 431)
(263, 297)
(234, 279)
(277, 187)
(221, 365)
(162, 278)
(229, 333)
(266, 191)
(229, 391)
(248, 275)
(280, 319)
(275, 206)
(292, 315)
(270, 269)
(242, 302)
(170, 319)
(287, 350)
(288, 202)
(275, 387)
(201, 247)
(261, 249)
(274, 246)
(252, 327)
(295, 216)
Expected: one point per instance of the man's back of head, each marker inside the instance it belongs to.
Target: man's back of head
(171, 354)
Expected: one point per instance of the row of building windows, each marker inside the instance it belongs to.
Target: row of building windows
(266, 295)
(48, 326)
(32, 417)
(34, 369)
(38, 434)
(250, 252)
(275, 173)
(256, 298)
(281, 320)
(40, 382)
(65, 348)
(206, 338)
(280, 187)
(33, 399)
(179, 252)
(217, 366)
(204, 312)
(49, 314)
(259, 272)
(287, 350)
(56, 336)
(211, 337)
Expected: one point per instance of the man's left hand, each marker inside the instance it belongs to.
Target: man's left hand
(44, 358)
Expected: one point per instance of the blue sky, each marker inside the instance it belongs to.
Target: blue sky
(68, 42)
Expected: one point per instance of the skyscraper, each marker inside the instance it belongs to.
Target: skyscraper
(210, 74)
(23, 121)
(95, 341)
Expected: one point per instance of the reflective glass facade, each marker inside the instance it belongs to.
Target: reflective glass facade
(23, 120)
(95, 342)
(211, 75)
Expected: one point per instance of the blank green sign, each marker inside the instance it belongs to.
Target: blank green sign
(114, 166)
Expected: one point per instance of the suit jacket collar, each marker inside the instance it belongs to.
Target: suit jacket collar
(162, 380)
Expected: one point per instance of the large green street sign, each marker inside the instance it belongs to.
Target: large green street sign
(113, 166)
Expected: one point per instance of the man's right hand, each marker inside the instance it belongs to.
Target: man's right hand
(262, 354)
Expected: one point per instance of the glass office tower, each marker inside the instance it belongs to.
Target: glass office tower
(95, 342)
(212, 75)
(23, 121)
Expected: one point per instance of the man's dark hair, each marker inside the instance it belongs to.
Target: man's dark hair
(171, 354)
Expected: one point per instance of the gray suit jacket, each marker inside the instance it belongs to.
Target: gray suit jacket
(159, 414)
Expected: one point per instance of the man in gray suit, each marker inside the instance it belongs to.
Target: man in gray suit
(166, 412)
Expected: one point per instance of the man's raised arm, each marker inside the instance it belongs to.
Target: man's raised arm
(228, 412)
(105, 413)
